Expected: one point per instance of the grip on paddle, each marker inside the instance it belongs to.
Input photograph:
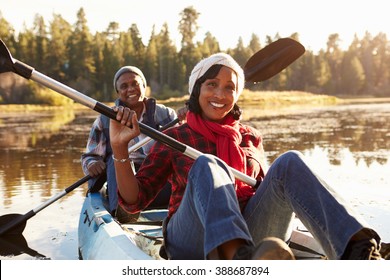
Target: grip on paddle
(23, 69)
(105, 110)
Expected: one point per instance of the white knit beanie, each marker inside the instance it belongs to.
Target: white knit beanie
(218, 58)
(129, 69)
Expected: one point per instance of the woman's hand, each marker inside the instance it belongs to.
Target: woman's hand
(125, 128)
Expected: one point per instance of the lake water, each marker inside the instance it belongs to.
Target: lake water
(349, 146)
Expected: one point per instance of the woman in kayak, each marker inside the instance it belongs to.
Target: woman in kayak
(212, 214)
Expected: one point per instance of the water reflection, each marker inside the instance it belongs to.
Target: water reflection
(40, 151)
(19, 131)
(363, 130)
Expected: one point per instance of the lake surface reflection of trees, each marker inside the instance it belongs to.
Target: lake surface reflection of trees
(363, 129)
(41, 151)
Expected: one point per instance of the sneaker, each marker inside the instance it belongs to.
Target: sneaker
(124, 217)
(270, 248)
(365, 249)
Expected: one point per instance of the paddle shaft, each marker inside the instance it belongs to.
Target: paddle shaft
(23, 218)
(146, 140)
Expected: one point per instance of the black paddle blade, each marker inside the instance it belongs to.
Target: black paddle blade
(14, 245)
(16, 220)
(6, 61)
(10, 245)
(272, 59)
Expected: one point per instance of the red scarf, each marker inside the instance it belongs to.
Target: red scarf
(227, 137)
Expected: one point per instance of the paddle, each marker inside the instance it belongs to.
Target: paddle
(15, 223)
(272, 59)
(14, 245)
(277, 56)
(146, 140)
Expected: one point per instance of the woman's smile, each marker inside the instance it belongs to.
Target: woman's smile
(218, 105)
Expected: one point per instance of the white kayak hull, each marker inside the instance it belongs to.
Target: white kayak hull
(101, 237)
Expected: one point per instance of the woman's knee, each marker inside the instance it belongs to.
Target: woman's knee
(291, 159)
(291, 156)
(209, 164)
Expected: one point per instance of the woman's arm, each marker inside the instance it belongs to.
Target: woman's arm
(120, 134)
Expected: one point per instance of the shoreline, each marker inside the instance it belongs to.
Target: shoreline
(365, 100)
(262, 99)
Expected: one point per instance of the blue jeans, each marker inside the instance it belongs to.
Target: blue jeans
(209, 213)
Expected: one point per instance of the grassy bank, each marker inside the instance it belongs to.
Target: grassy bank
(285, 98)
(265, 99)
(26, 107)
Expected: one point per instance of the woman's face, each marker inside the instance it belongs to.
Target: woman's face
(131, 89)
(218, 95)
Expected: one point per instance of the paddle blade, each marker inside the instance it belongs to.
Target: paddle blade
(12, 224)
(272, 59)
(6, 61)
(14, 245)
(10, 245)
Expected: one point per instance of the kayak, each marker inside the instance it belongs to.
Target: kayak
(102, 237)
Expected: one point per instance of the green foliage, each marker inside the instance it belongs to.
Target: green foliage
(43, 95)
(72, 55)
(353, 79)
(167, 93)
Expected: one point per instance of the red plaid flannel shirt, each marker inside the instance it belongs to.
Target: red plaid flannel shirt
(164, 163)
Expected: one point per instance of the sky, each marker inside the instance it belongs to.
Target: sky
(313, 20)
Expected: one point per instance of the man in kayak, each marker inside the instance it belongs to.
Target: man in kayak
(211, 213)
(130, 85)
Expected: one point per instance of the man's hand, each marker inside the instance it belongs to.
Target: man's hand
(96, 168)
(182, 114)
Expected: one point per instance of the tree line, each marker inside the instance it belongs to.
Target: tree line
(87, 62)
